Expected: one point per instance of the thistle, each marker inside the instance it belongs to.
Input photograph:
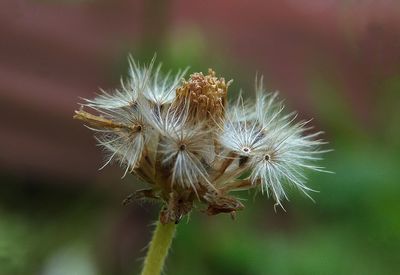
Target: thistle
(193, 147)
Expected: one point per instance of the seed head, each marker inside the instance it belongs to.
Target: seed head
(205, 94)
(191, 146)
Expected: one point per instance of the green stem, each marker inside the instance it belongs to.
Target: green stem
(158, 249)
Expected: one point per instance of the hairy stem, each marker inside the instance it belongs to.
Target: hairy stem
(158, 249)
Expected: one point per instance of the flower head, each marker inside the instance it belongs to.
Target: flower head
(192, 146)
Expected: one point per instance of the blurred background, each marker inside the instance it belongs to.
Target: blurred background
(337, 61)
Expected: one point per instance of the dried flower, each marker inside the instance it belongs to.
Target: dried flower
(190, 145)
